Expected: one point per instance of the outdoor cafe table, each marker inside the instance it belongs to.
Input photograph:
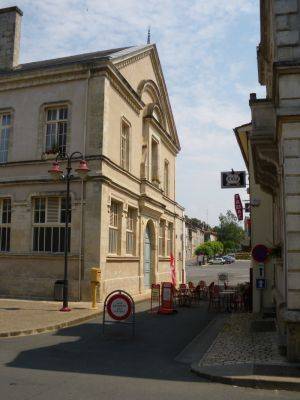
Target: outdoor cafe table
(227, 296)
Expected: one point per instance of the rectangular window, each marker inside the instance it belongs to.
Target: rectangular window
(130, 231)
(125, 146)
(56, 129)
(154, 162)
(170, 239)
(114, 228)
(161, 238)
(5, 130)
(49, 215)
(166, 178)
(5, 220)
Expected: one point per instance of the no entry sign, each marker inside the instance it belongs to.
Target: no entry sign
(119, 307)
(260, 253)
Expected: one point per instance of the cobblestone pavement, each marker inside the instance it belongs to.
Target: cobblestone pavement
(238, 343)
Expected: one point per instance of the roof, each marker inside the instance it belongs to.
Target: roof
(104, 55)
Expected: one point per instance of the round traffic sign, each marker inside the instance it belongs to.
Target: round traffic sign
(119, 307)
(260, 252)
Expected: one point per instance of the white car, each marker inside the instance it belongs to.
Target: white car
(218, 260)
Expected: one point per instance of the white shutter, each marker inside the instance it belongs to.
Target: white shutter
(53, 209)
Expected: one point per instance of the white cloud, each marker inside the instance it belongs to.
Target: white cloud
(207, 74)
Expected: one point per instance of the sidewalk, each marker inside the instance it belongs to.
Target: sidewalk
(27, 317)
(245, 353)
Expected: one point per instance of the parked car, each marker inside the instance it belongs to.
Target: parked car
(232, 255)
(228, 259)
(217, 260)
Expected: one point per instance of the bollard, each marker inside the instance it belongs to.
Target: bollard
(95, 282)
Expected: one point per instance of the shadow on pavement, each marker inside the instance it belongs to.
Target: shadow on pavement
(150, 354)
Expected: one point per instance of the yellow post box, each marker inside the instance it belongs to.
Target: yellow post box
(95, 282)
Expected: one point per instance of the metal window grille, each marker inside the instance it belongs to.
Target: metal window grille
(114, 232)
(130, 231)
(170, 239)
(161, 238)
(5, 221)
(49, 215)
(125, 146)
(5, 129)
(56, 129)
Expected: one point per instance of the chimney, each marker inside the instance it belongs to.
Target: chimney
(10, 32)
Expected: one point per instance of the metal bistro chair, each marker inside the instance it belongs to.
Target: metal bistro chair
(184, 296)
(193, 292)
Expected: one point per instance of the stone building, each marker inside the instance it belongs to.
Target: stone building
(274, 140)
(113, 107)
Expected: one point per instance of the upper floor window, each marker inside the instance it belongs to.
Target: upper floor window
(161, 238)
(5, 129)
(56, 129)
(130, 231)
(114, 228)
(170, 239)
(154, 162)
(125, 145)
(5, 220)
(49, 217)
(166, 178)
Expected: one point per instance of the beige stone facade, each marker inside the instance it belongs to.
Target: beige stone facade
(275, 153)
(113, 107)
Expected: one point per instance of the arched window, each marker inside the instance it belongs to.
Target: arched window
(166, 178)
(125, 131)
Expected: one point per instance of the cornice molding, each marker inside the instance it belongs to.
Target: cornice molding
(124, 63)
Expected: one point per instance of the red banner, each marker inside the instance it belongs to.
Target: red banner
(238, 207)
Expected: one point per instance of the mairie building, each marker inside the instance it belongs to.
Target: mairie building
(113, 107)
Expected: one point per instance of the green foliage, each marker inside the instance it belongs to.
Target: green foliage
(209, 249)
(229, 231)
(229, 246)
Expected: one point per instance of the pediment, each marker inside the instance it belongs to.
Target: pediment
(142, 70)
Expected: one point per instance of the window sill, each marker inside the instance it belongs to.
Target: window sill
(112, 258)
(163, 258)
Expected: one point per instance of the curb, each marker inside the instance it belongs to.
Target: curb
(51, 328)
(253, 381)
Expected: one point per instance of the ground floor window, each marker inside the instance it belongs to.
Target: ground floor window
(114, 228)
(5, 221)
(161, 238)
(170, 239)
(130, 231)
(49, 216)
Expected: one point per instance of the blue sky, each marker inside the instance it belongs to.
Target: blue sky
(208, 54)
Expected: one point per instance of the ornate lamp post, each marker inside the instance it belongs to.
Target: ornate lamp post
(57, 173)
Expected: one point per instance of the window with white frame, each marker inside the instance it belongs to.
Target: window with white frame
(114, 228)
(5, 130)
(49, 217)
(161, 238)
(56, 129)
(166, 178)
(130, 231)
(170, 239)
(125, 132)
(5, 221)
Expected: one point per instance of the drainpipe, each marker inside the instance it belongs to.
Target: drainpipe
(83, 190)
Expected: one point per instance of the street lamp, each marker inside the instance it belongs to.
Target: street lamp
(57, 173)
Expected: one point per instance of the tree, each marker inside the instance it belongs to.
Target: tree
(229, 231)
(209, 249)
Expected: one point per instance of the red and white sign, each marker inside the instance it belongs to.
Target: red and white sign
(166, 298)
(119, 307)
(238, 207)
(173, 270)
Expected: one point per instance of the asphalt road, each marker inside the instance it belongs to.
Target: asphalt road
(238, 272)
(80, 363)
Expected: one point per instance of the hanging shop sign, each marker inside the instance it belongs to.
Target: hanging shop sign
(260, 253)
(233, 179)
(238, 207)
